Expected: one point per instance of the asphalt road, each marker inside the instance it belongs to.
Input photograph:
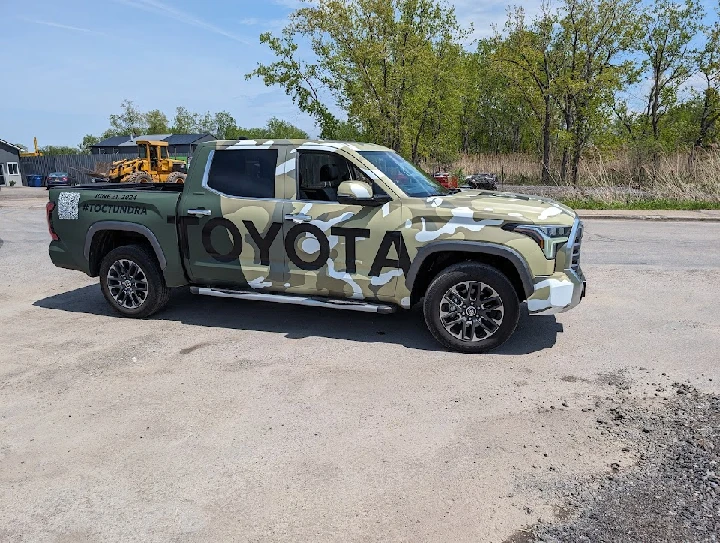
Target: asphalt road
(223, 420)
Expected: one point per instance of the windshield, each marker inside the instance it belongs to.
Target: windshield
(411, 181)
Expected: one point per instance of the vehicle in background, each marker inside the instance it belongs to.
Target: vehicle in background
(59, 179)
(153, 165)
(477, 181)
(481, 181)
(445, 179)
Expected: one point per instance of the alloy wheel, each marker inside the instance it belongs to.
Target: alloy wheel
(471, 311)
(127, 284)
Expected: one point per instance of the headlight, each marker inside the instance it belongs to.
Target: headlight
(549, 237)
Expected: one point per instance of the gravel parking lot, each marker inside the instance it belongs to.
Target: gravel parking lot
(222, 420)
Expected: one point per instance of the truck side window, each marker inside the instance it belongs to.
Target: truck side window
(247, 173)
(320, 173)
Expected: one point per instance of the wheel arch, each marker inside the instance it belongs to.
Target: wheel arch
(102, 237)
(433, 258)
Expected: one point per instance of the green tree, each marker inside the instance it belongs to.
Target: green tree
(224, 125)
(708, 62)
(530, 55)
(184, 121)
(275, 129)
(156, 122)
(204, 123)
(345, 131)
(669, 30)
(54, 150)
(284, 130)
(387, 65)
(87, 142)
(495, 116)
(129, 121)
(594, 35)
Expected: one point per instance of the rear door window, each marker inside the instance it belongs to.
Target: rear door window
(244, 173)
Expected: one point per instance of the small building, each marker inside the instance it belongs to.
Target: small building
(10, 163)
(125, 146)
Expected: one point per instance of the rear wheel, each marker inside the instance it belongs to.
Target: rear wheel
(176, 177)
(132, 282)
(471, 308)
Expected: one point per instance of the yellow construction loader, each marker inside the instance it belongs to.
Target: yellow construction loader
(32, 153)
(153, 165)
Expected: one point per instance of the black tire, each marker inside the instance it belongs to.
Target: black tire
(493, 319)
(176, 177)
(139, 177)
(156, 294)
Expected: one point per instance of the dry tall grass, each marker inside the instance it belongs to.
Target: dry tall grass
(622, 176)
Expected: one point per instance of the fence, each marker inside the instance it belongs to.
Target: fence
(75, 165)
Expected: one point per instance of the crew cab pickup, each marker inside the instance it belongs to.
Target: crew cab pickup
(339, 225)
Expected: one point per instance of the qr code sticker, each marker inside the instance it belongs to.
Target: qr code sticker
(68, 205)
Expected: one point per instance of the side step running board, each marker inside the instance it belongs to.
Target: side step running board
(349, 305)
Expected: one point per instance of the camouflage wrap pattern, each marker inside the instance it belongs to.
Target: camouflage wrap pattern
(360, 252)
(470, 215)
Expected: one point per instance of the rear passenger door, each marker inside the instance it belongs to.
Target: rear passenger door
(231, 226)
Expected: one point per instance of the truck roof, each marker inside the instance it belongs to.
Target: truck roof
(355, 146)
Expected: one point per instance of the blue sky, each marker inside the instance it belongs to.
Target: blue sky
(71, 62)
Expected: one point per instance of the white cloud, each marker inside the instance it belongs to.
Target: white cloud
(269, 24)
(64, 26)
(159, 8)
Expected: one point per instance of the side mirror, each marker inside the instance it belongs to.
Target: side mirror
(359, 193)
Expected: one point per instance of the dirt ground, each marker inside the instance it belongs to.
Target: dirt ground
(221, 420)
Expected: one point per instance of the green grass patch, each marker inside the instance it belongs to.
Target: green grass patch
(655, 203)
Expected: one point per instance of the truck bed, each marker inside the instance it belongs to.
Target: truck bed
(121, 187)
(81, 213)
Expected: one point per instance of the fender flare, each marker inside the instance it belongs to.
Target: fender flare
(124, 227)
(493, 249)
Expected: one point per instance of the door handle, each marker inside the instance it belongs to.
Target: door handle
(199, 212)
(299, 218)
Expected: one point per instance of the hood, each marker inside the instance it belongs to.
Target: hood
(503, 206)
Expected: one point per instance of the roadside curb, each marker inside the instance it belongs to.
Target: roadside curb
(648, 217)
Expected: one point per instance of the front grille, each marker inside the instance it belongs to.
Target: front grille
(575, 248)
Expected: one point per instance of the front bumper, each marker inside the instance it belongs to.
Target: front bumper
(564, 289)
(557, 293)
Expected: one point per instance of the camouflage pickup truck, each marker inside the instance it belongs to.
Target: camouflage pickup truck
(325, 224)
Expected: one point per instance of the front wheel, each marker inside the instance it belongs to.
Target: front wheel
(132, 282)
(176, 177)
(471, 308)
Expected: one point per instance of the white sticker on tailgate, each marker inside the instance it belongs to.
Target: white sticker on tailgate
(68, 205)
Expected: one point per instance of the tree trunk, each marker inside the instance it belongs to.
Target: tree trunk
(563, 166)
(577, 151)
(547, 123)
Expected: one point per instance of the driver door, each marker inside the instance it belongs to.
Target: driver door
(333, 249)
